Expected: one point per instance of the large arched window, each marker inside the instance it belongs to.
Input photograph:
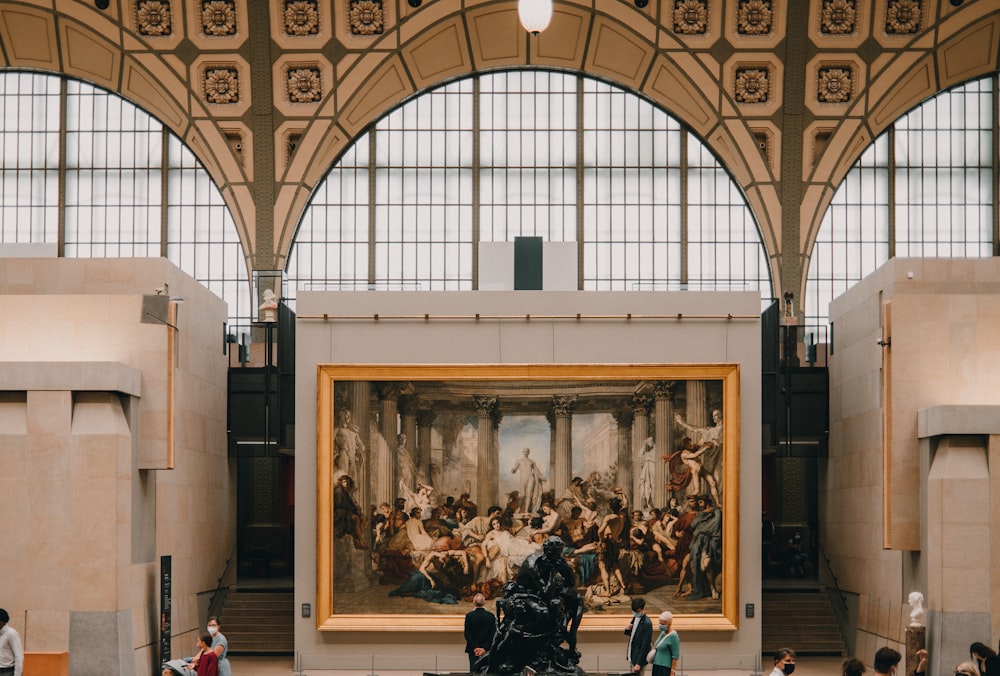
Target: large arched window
(129, 188)
(924, 188)
(528, 153)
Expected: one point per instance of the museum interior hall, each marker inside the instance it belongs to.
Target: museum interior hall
(321, 316)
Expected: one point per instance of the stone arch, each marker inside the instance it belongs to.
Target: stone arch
(620, 48)
(966, 48)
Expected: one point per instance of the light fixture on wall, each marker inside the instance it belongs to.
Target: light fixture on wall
(535, 15)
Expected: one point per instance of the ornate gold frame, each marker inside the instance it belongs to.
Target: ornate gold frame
(328, 374)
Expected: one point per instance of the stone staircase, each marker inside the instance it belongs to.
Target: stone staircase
(801, 620)
(259, 622)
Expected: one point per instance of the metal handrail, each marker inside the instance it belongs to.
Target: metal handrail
(833, 576)
(214, 606)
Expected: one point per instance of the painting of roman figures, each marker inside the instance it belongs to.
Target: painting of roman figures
(437, 483)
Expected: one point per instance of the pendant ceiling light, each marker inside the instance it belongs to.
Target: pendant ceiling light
(535, 15)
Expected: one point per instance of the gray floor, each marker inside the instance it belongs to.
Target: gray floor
(283, 666)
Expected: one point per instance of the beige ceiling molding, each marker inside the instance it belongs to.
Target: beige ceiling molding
(495, 37)
(618, 53)
(970, 53)
(564, 43)
(890, 97)
(152, 93)
(87, 55)
(375, 91)
(440, 53)
(29, 36)
(670, 86)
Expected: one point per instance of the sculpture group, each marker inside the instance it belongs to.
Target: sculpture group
(538, 617)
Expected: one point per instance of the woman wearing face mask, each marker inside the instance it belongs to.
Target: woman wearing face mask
(667, 647)
(221, 647)
(784, 662)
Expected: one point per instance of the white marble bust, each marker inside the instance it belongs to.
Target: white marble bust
(916, 601)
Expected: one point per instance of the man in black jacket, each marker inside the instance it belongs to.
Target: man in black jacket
(640, 633)
(480, 627)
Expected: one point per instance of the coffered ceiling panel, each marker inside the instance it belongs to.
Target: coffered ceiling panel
(29, 37)
(496, 37)
(440, 53)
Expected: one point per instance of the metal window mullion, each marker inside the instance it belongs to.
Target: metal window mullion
(371, 205)
(476, 177)
(684, 207)
(164, 182)
(580, 235)
(61, 211)
(995, 126)
(891, 164)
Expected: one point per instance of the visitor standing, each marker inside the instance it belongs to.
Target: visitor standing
(640, 635)
(480, 628)
(11, 653)
(667, 647)
(784, 662)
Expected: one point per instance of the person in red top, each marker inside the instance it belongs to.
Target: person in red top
(208, 661)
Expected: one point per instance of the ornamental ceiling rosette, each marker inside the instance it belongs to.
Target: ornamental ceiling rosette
(903, 17)
(835, 84)
(753, 84)
(366, 17)
(152, 18)
(690, 17)
(222, 85)
(301, 18)
(218, 18)
(839, 17)
(755, 17)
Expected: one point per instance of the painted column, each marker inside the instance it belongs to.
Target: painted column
(640, 430)
(359, 393)
(562, 467)
(383, 477)
(623, 474)
(487, 456)
(407, 426)
(663, 417)
(425, 419)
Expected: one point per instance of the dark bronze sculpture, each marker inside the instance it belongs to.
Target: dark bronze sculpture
(538, 613)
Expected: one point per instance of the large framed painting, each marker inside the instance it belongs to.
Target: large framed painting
(437, 482)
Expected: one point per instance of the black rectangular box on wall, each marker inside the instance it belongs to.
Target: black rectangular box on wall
(527, 263)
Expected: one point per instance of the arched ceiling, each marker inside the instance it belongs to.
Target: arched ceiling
(268, 93)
